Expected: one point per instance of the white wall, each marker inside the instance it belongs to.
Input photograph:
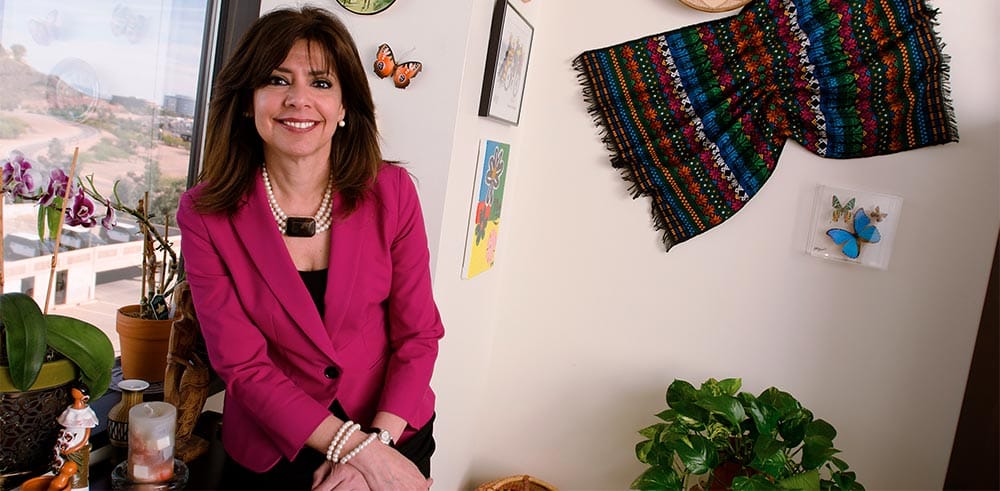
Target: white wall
(553, 359)
(470, 308)
(596, 319)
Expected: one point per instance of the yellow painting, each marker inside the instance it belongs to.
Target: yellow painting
(487, 202)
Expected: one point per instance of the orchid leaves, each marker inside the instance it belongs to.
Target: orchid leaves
(28, 333)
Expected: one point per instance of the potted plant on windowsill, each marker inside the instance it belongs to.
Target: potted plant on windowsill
(716, 437)
(40, 355)
(143, 328)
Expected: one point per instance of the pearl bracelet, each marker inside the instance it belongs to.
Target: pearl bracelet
(342, 442)
(361, 446)
(333, 443)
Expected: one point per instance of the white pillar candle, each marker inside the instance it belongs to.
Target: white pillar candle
(151, 441)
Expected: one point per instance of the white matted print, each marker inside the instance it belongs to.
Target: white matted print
(852, 226)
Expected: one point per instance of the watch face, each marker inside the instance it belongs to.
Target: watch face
(385, 437)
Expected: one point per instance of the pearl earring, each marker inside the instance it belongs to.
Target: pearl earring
(342, 123)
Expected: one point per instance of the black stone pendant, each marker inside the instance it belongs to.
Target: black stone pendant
(300, 227)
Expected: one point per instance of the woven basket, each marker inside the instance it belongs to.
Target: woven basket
(517, 483)
(714, 6)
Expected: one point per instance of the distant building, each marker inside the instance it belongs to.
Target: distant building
(179, 104)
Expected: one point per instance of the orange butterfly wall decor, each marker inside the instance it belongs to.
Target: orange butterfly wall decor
(402, 73)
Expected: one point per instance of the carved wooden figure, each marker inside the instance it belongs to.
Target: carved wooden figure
(187, 376)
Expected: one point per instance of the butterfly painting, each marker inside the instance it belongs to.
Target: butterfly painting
(402, 73)
(842, 210)
(864, 232)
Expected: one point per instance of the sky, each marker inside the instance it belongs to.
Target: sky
(138, 48)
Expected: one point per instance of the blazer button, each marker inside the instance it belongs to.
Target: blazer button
(331, 372)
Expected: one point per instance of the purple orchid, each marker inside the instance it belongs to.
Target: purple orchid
(110, 219)
(58, 181)
(16, 179)
(81, 211)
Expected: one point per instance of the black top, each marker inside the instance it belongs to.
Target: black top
(316, 284)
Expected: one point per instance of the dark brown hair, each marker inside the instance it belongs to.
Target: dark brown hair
(233, 148)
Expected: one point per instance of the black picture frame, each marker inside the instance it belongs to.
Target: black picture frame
(506, 64)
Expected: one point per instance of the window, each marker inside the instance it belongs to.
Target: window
(124, 82)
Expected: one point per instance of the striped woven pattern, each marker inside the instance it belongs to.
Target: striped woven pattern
(697, 117)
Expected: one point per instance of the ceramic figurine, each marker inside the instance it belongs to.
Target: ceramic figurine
(73, 444)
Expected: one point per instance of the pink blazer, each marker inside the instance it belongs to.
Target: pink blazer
(283, 365)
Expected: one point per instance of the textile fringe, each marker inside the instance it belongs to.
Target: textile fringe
(625, 170)
(945, 79)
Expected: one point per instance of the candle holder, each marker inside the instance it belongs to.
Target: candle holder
(121, 481)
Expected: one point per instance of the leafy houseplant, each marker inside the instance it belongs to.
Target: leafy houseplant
(716, 437)
(31, 338)
(39, 356)
(19, 181)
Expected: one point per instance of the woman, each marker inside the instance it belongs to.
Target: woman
(308, 265)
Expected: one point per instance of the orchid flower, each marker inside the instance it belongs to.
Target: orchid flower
(17, 180)
(58, 181)
(81, 210)
(110, 219)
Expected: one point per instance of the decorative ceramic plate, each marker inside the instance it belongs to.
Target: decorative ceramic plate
(714, 5)
(365, 7)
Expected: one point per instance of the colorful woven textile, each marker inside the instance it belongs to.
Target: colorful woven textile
(697, 117)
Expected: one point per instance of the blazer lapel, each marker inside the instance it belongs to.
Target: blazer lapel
(254, 225)
(346, 243)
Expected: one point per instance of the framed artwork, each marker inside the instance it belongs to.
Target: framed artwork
(506, 64)
(856, 227)
(365, 7)
(487, 201)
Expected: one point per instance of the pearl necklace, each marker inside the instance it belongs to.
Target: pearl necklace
(300, 226)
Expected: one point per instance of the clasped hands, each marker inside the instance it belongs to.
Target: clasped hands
(377, 468)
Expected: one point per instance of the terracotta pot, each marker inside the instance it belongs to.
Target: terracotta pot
(29, 420)
(144, 344)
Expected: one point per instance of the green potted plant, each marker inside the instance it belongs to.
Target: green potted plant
(715, 437)
(40, 356)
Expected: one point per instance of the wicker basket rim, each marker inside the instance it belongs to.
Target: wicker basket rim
(517, 479)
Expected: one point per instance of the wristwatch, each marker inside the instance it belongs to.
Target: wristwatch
(384, 436)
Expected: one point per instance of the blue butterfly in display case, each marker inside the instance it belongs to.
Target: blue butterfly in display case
(864, 232)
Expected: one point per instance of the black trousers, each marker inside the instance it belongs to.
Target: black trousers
(297, 474)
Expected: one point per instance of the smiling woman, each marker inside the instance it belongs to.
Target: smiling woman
(295, 196)
(296, 114)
